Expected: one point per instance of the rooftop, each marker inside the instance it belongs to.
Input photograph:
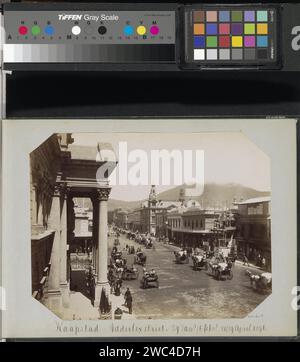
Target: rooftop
(255, 200)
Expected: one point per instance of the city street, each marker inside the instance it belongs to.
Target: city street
(184, 292)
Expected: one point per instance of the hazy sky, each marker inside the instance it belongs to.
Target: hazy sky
(228, 157)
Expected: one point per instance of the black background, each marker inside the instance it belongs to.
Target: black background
(153, 94)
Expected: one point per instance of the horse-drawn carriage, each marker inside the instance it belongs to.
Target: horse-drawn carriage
(260, 282)
(130, 273)
(140, 258)
(117, 263)
(131, 235)
(221, 269)
(149, 280)
(138, 238)
(149, 243)
(181, 257)
(199, 261)
(115, 254)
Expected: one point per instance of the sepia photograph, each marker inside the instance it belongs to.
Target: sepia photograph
(148, 226)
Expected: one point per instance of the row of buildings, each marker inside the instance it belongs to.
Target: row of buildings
(246, 224)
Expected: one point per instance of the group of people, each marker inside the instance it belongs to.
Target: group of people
(130, 249)
(260, 262)
(151, 273)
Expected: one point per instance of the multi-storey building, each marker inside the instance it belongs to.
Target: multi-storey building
(120, 218)
(191, 225)
(151, 217)
(254, 229)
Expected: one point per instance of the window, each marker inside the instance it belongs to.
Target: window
(255, 210)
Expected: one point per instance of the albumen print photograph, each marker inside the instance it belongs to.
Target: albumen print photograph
(150, 226)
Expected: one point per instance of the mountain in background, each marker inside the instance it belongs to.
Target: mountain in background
(213, 195)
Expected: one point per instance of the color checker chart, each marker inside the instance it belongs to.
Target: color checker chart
(230, 36)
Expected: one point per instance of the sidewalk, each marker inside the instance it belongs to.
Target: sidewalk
(253, 266)
(118, 302)
(169, 246)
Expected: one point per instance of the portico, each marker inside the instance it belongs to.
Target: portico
(76, 178)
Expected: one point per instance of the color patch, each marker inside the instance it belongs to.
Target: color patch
(249, 15)
(199, 29)
(211, 29)
(199, 54)
(236, 16)
(262, 15)
(262, 29)
(262, 54)
(249, 28)
(237, 41)
(249, 41)
(224, 28)
(233, 34)
(212, 54)
(262, 41)
(211, 16)
(224, 41)
(237, 29)
(211, 41)
(224, 54)
(237, 54)
(250, 54)
(224, 16)
(199, 41)
(199, 16)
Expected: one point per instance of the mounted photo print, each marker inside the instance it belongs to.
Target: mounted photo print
(133, 228)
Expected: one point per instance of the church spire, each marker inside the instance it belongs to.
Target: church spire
(182, 195)
(152, 196)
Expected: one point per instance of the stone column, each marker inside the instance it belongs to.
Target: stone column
(54, 293)
(102, 257)
(40, 220)
(33, 204)
(63, 250)
(94, 258)
(95, 233)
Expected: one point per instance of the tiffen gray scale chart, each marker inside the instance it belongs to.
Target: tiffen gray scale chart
(94, 36)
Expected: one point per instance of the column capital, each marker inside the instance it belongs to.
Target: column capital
(102, 194)
(56, 190)
(65, 191)
(60, 190)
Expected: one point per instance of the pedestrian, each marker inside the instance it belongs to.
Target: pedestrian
(117, 288)
(128, 300)
(245, 259)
